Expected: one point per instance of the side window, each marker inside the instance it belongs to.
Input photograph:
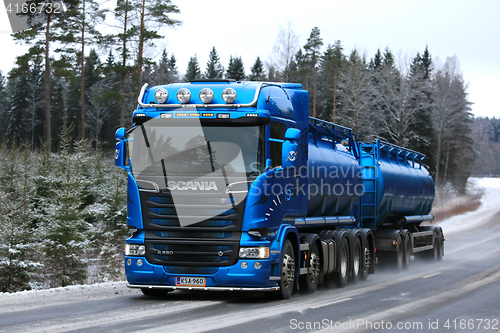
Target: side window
(276, 142)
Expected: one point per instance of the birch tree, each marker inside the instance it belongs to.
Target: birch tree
(451, 120)
(284, 49)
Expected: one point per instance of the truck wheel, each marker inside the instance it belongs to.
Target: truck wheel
(366, 258)
(154, 292)
(394, 259)
(440, 245)
(309, 282)
(368, 254)
(399, 253)
(407, 251)
(357, 260)
(288, 271)
(435, 242)
(343, 263)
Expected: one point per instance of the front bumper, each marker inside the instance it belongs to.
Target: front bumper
(229, 278)
(201, 288)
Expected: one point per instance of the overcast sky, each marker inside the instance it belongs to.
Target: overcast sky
(468, 29)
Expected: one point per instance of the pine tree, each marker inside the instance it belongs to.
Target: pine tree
(235, 69)
(81, 26)
(17, 235)
(154, 15)
(66, 237)
(376, 62)
(112, 98)
(214, 70)
(312, 48)
(332, 63)
(95, 105)
(45, 28)
(300, 69)
(421, 127)
(257, 71)
(193, 70)
(172, 70)
(19, 109)
(125, 14)
(59, 104)
(165, 71)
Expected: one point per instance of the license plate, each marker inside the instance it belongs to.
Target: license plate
(190, 281)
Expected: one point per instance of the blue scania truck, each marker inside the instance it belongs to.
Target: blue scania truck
(232, 186)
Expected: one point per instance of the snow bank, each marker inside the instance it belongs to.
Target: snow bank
(489, 206)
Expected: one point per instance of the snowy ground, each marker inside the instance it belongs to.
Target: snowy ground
(490, 205)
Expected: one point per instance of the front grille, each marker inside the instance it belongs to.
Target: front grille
(212, 241)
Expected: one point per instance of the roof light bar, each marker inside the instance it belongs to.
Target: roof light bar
(251, 104)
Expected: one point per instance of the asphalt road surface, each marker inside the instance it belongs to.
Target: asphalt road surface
(459, 294)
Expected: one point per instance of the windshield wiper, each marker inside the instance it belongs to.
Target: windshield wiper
(211, 157)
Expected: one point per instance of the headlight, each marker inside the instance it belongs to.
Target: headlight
(184, 95)
(229, 95)
(206, 95)
(161, 95)
(254, 252)
(135, 250)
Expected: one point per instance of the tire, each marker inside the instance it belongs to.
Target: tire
(440, 245)
(309, 282)
(407, 251)
(343, 262)
(366, 257)
(399, 253)
(357, 260)
(288, 271)
(434, 254)
(150, 292)
(368, 254)
(394, 259)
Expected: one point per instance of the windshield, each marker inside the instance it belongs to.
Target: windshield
(160, 147)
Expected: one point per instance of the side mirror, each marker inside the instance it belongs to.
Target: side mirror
(120, 148)
(120, 154)
(120, 133)
(292, 134)
(289, 152)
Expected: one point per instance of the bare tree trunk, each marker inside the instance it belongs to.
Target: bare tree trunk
(141, 44)
(124, 64)
(335, 96)
(438, 155)
(314, 91)
(447, 146)
(48, 129)
(82, 79)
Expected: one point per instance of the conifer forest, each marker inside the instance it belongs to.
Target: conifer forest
(63, 202)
